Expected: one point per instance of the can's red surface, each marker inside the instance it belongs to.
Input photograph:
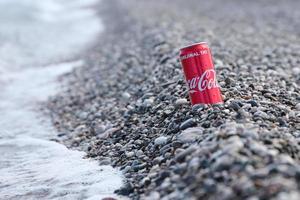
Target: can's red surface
(200, 75)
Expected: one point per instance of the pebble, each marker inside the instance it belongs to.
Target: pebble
(158, 160)
(162, 140)
(194, 163)
(179, 102)
(126, 95)
(153, 196)
(297, 107)
(106, 161)
(198, 107)
(188, 123)
(229, 81)
(190, 134)
(139, 153)
(149, 102)
(261, 114)
(179, 157)
(234, 105)
(126, 189)
(108, 198)
(126, 169)
(129, 154)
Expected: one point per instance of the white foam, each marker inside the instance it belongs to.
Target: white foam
(22, 90)
(34, 167)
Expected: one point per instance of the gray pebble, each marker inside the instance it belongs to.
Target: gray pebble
(179, 157)
(190, 134)
(188, 123)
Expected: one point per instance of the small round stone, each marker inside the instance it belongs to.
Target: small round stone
(179, 102)
(161, 140)
(188, 123)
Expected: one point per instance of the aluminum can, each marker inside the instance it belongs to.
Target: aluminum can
(200, 75)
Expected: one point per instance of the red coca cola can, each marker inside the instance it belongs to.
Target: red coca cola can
(198, 67)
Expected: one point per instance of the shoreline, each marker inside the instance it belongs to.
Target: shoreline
(33, 165)
(130, 108)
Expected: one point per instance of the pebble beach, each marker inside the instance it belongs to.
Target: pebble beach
(128, 106)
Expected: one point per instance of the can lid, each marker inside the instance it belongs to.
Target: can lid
(191, 45)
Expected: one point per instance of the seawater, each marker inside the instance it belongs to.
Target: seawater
(34, 34)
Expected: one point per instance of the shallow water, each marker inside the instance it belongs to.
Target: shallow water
(34, 33)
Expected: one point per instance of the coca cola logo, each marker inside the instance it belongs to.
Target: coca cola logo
(206, 81)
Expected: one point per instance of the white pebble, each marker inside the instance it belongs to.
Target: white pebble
(181, 101)
(126, 95)
(160, 140)
(129, 154)
(297, 107)
(149, 101)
